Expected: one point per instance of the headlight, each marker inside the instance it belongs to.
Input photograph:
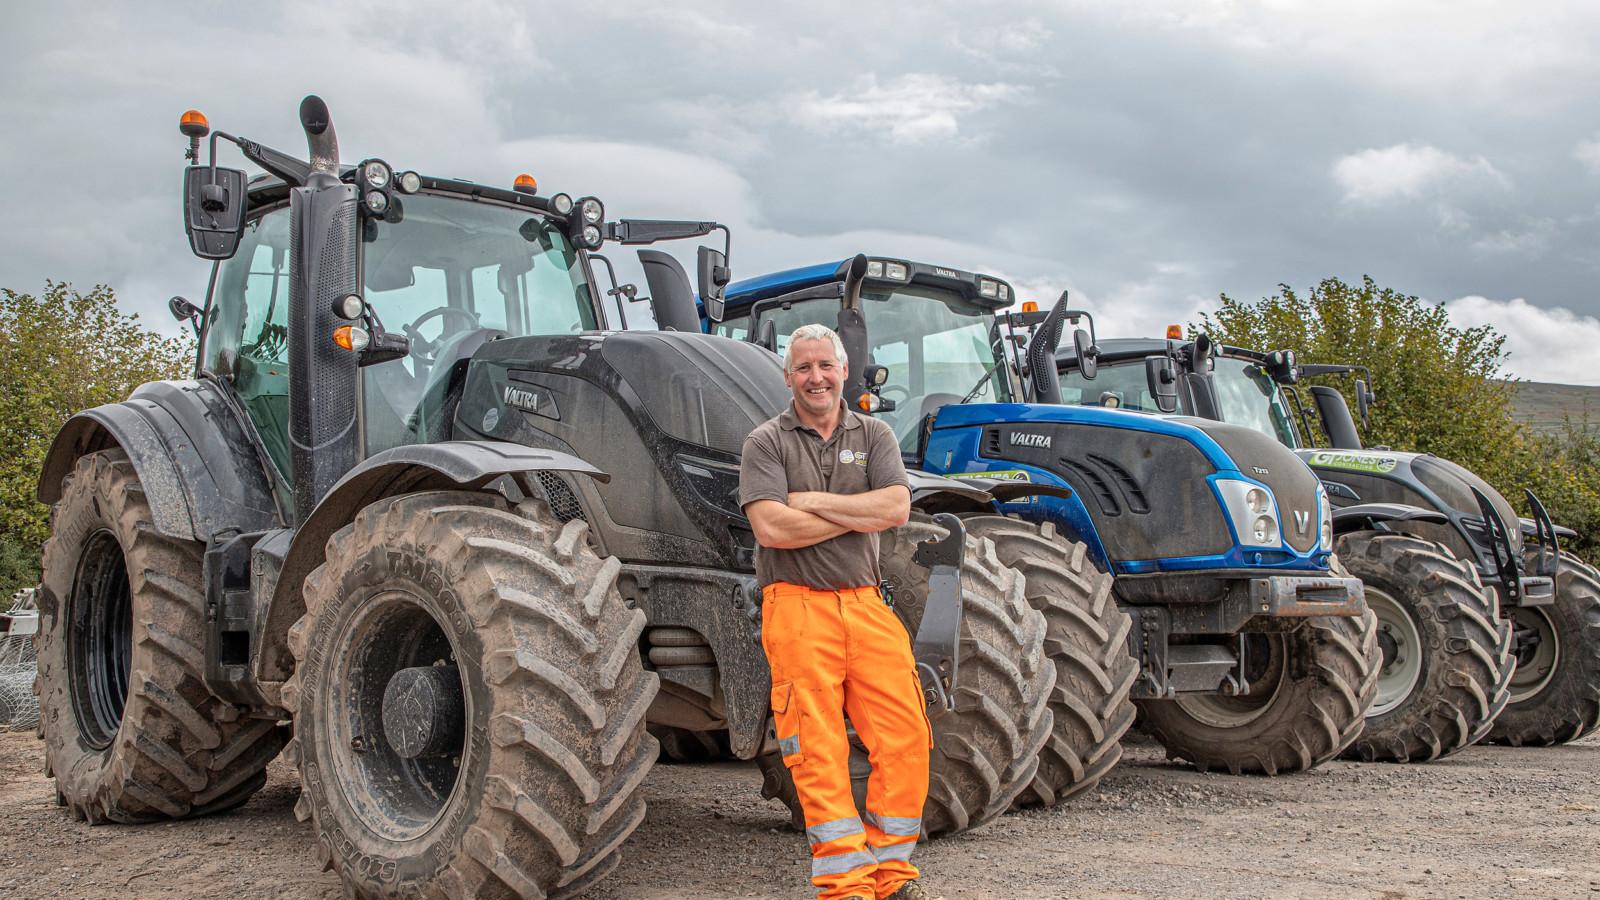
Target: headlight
(377, 202)
(591, 210)
(1257, 500)
(561, 203)
(1253, 511)
(591, 236)
(875, 268)
(410, 182)
(1325, 533)
(375, 172)
(987, 288)
(896, 271)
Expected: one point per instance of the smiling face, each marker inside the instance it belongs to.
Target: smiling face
(815, 376)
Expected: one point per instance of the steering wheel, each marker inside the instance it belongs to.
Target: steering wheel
(904, 392)
(422, 348)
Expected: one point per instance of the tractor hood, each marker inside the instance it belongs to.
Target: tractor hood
(1130, 465)
(1418, 479)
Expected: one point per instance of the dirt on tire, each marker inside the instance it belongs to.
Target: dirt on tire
(1086, 636)
(545, 785)
(1465, 661)
(122, 621)
(1561, 703)
(986, 751)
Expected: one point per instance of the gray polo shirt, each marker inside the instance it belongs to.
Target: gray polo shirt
(781, 456)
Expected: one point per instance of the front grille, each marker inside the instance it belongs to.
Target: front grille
(560, 497)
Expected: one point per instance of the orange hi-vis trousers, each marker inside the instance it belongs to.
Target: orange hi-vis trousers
(842, 652)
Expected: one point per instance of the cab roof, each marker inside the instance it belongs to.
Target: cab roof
(742, 294)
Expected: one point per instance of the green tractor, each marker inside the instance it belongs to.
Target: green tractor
(453, 571)
(1489, 631)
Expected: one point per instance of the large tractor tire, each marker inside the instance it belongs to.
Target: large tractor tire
(1447, 662)
(986, 751)
(469, 702)
(131, 732)
(1086, 636)
(1306, 700)
(1555, 693)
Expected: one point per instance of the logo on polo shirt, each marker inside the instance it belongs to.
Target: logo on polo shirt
(858, 457)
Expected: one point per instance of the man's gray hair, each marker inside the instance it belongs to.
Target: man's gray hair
(814, 332)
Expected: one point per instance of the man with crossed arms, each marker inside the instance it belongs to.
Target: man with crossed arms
(819, 482)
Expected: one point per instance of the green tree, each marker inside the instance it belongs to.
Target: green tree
(61, 351)
(1439, 387)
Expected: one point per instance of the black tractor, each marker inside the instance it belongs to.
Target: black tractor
(457, 567)
(1485, 634)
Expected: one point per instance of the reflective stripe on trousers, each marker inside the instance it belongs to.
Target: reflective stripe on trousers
(833, 653)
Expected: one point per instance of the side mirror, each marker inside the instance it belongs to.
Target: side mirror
(713, 281)
(1364, 401)
(768, 337)
(213, 210)
(184, 311)
(1088, 354)
(1162, 379)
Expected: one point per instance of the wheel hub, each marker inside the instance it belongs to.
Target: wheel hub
(100, 639)
(424, 713)
(395, 715)
(1401, 644)
(1538, 650)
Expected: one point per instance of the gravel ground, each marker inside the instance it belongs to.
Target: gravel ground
(1490, 821)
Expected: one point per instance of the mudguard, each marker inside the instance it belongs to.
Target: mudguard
(451, 465)
(937, 645)
(972, 493)
(1530, 530)
(1369, 516)
(196, 461)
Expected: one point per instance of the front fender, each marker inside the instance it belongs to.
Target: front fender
(451, 465)
(1367, 516)
(936, 493)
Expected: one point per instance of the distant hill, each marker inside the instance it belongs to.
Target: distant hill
(1542, 406)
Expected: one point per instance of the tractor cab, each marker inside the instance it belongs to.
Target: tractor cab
(929, 331)
(447, 268)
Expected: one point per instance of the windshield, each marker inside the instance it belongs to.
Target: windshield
(1124, 381)
(1247, 396)
(448, 274)
(937, 348)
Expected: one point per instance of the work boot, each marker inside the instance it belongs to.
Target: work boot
(912, 890)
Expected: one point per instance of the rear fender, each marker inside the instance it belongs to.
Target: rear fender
(452, 465)
(198, 464)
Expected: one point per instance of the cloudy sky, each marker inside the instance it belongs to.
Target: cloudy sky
(1148, 157)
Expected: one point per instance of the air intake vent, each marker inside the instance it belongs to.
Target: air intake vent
(560, 497)
(1130, 488)
(991, 444)
(1096, 484)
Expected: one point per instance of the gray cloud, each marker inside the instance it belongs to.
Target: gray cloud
(1147, 160)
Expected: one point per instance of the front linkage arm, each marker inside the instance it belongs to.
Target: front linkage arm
(936, 646)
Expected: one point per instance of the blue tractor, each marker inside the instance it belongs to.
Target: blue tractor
(1488, 630)
(1182, 564)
